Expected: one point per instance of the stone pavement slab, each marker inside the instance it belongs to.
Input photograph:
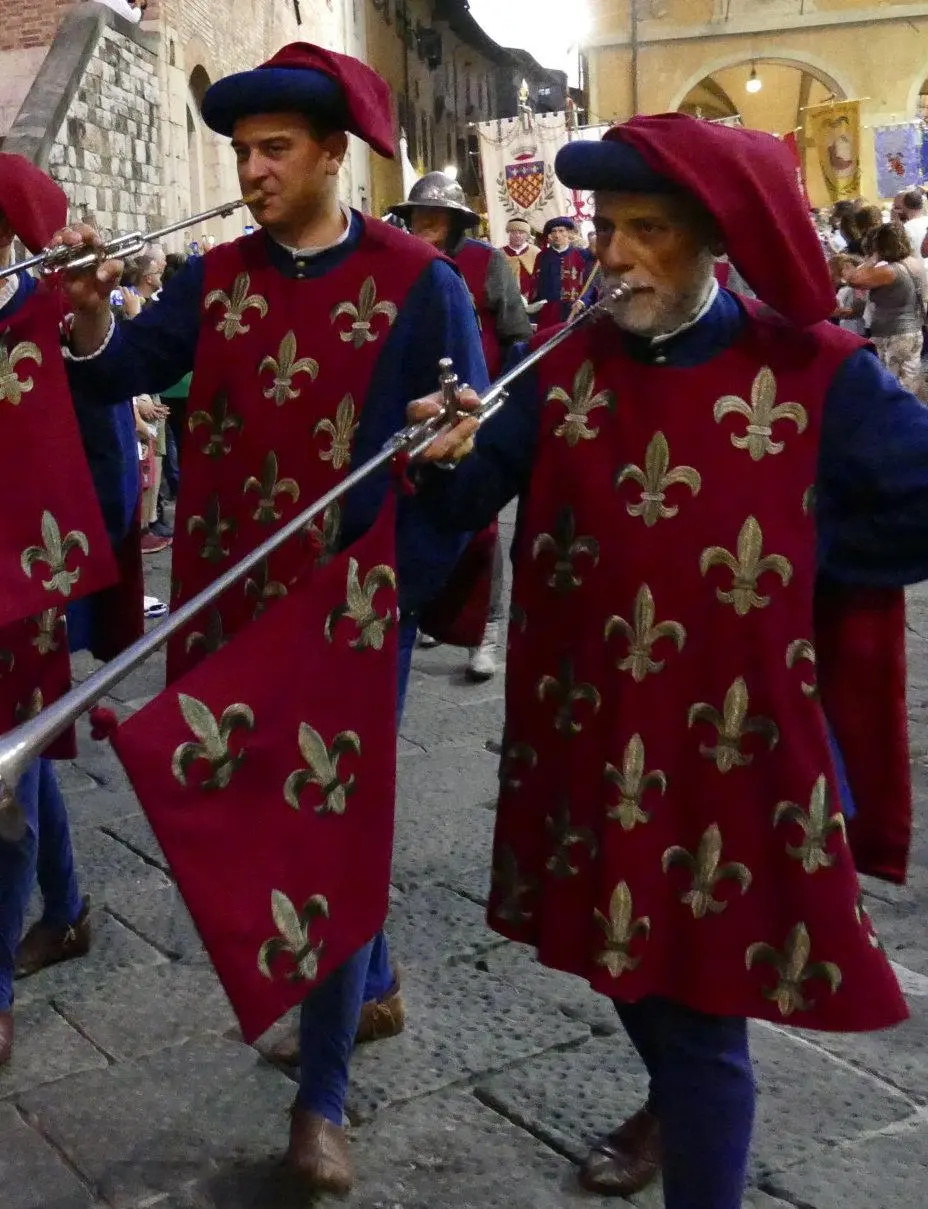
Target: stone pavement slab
(460, 1024)
(134, 831)
(572, 996)
(888, 1170)
(433, 925)
(158, 914)
(807, 1101)
(32, 1176)
(47, 1048)
(442, 1152)
(156, 1125)
(148, 1009)
(115, 950)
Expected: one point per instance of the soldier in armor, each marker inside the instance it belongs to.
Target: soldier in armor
(307, 338)
(720, 501)
(437, 212)
(53, 549)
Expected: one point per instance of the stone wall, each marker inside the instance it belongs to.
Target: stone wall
(107, 151)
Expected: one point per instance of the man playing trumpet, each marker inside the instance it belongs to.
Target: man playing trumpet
(705, 702)
(306, 340)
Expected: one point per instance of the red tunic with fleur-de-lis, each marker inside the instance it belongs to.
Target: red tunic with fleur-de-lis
(282, 373)
(669, 821)
(53, 543)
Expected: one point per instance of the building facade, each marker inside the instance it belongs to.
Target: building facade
(655, 56)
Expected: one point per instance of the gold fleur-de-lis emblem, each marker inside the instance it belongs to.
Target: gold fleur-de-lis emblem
(213, 746)
(564, 544)
(633, 783)
(322, 770)
(268, 488)
(260, 588)
(707, 872)
(214, 530)
(643, 635)
(517, 754)
(568, 695)
(54, 553)
(747, 566)
(47, 624)
(219, 420)
(863, 918)
(285, 367)
(802, 648)
(30, 708)
(808, 500)
(575, 427)
(362, 316)
(372, 627)
(237, 305)
(762, 413)
(327, 537)
(12, 387)
(794, 969)
(621, 929)
(566, 837)
(211, 639)
(655, 480)
(732, 725)
(512, 888)
(342, 433)
(818, 825)
(294, 928)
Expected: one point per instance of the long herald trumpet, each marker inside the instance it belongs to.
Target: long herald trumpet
(19, 747)
(56, 260)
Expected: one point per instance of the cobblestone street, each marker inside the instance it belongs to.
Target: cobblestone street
(129, 1087)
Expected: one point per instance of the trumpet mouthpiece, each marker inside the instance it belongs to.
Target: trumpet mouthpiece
(250, 198)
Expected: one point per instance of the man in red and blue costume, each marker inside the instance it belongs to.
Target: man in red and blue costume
(53, 550)
(560, 274)
(306, 340)
(720, 502)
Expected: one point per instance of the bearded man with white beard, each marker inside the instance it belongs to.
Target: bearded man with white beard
(720, 501)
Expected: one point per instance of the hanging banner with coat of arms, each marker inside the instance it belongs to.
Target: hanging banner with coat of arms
(834, 130)
(518, 170)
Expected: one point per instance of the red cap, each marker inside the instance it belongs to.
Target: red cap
(32, 203)
(309, 79)
(747, 181)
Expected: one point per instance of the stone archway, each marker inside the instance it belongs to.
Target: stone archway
(212, 176)
(806, 65)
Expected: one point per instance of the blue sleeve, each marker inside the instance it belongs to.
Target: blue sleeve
(436, 320)
(872, 488)
(475, 491)
(151, 352)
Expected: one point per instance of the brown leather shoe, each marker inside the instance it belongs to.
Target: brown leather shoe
(44, 945)
(318, 1153)
(382, 1018)
(626, 1160)
(6, 1037)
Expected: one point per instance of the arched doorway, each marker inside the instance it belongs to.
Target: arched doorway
(212, 175)
(767, 94)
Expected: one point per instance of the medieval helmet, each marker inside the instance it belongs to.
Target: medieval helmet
(437, 191)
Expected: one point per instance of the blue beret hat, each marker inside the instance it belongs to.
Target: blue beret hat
(610, 166)
(567, 223)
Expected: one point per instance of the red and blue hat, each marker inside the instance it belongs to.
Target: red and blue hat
(337, 89)
(745, 179)
(32, 203)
